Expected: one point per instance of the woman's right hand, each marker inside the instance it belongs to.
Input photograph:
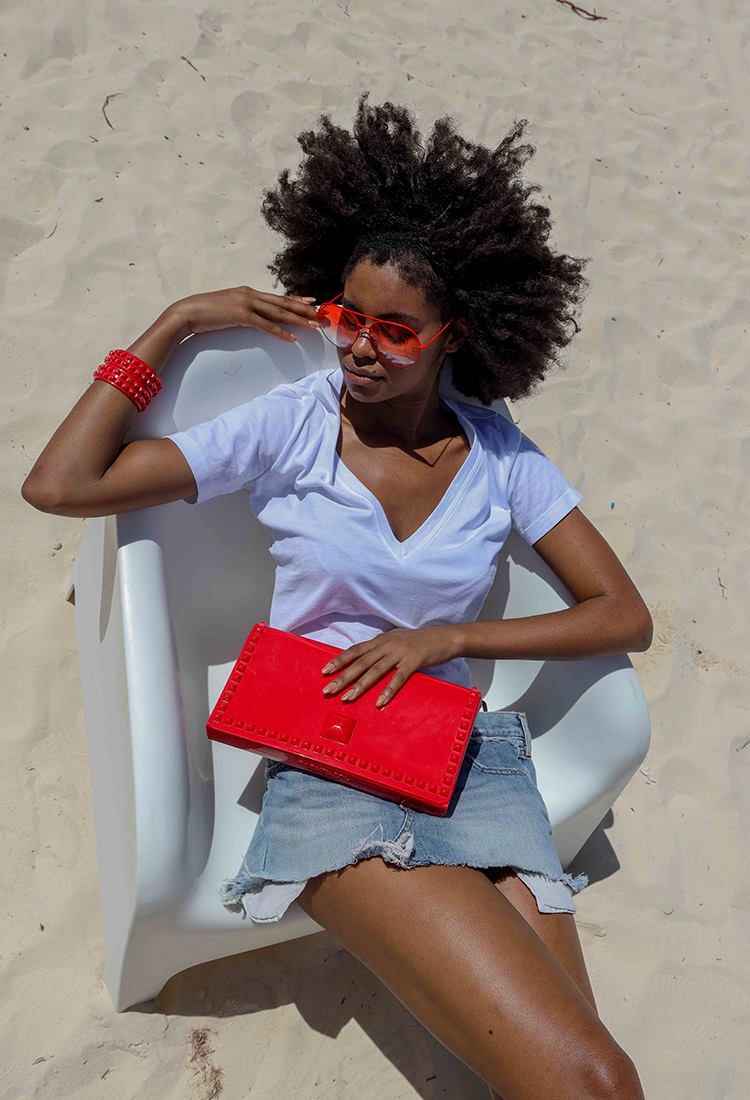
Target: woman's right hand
(245, 307)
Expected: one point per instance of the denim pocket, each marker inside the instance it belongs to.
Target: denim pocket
(521, 716)
(498, 753)
(506, 725)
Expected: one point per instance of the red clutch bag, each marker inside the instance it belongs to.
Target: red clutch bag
(408, 751)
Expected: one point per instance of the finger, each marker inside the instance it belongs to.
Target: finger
(399, 678)
(294, 311)
(285, 314)
(349, 654)
(268, 296)
(282, 308)
(353, 672)
(267, 326)
(362, 683)
(395, 683)
(371, 678)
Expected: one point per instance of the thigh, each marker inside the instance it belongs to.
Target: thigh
(461, 958)
(557, 930)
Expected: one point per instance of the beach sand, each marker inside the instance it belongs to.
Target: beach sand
(641, 123)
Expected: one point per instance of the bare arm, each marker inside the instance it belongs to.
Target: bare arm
(610, 616)
(77, 475)
(86, 471)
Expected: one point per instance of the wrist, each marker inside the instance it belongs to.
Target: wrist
(175, 320)
(160, 339)
(456, 639)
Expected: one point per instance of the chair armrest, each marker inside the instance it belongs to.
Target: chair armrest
(158, 744)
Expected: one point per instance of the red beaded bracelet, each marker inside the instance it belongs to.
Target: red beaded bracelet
(131, 375)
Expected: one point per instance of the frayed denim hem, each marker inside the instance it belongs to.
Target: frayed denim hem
(577, 882)
(554, 895)
(233, 890)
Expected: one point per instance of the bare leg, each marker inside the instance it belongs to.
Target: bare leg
(461, 958)
(557, 930)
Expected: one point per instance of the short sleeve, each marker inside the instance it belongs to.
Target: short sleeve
(539, 495)
(235, 448)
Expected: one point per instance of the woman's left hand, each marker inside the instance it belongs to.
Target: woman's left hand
(406, 650)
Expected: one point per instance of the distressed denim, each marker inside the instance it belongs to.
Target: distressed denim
(496, 818)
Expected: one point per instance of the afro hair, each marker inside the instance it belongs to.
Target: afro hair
(453, 218)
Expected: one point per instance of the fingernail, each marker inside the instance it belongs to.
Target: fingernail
(328, 668)
(380, 701)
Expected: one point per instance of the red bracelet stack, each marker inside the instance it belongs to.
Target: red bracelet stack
(130, 374)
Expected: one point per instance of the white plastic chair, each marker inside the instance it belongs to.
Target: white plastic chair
(164, 598)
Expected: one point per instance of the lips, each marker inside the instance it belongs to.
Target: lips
(361, 374)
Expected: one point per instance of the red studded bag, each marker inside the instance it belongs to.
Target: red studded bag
(408, 752)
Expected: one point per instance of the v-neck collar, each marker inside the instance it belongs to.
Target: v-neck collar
(451, 496)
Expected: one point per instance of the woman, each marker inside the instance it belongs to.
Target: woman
(387, 504)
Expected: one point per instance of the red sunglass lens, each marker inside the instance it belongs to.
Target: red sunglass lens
(394, 342)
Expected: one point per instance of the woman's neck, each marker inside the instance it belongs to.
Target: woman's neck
(410, 420)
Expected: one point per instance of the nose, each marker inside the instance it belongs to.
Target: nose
(363, 345)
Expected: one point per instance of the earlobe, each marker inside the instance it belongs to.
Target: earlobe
(454, 344)
(457, 337)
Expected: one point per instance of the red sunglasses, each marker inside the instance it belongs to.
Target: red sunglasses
(394, 344)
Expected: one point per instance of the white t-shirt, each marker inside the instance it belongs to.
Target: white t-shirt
(341, 574)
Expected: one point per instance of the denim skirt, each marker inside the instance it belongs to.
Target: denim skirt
(496, 818)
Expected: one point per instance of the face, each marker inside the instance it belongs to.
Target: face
(380, 292)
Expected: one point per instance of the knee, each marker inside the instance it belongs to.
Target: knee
(612, 1076)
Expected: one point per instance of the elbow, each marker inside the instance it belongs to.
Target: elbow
(631, 625)
(43, 498)
(643, 634)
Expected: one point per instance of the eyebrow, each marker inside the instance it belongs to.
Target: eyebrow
(393, 316)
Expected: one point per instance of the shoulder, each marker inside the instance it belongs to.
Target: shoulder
(496, 430)
(304, 389)
(286, 417)
(285, 404)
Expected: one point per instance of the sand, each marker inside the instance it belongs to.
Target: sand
(641, 123)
